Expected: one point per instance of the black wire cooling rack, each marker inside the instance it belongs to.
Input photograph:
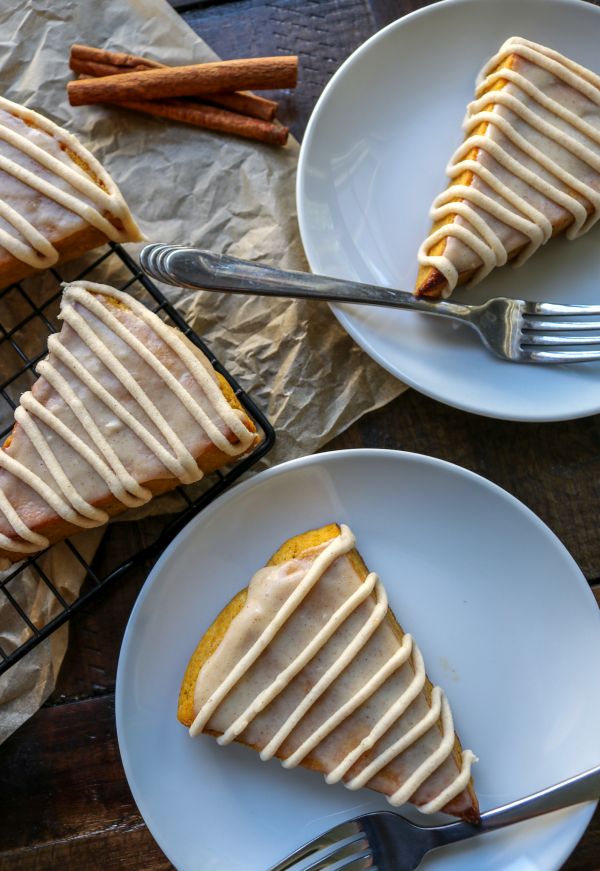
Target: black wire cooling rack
(26, 319)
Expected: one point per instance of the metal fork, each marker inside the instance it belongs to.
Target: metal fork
(386, 841)
(514, 329)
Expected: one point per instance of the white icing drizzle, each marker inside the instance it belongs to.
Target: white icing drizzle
(100, 199)
(440, 801)
(24, 415)
(378, 679)
(282, 680)
(342, 544)
(182, 465)
(121, 484)
(380, 729)
(38, 252)
(32, 541)
(438, 716)
(53, 484)
(347, 656)
(199, 371)
(518, 213)
(391, 716)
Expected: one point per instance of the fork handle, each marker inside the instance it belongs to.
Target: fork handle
(583, 787)
(192, 267)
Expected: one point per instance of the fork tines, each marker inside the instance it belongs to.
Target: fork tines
(559, 332)
(343, 848)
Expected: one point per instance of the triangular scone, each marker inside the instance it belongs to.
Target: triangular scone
(309, 664)
(529, 168)
(56, 200)
(125, 407)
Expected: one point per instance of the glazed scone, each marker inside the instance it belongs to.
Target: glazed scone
(124, 408)
(56, 200)
(529, 168)
(309, 664)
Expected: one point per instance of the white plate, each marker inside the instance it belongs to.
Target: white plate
(505, 620)
(372, 161)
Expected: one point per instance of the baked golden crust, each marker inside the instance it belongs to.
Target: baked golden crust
(464, 805)
(209, 459)
(69, 248)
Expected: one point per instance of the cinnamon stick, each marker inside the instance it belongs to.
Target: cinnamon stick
(112, 58)
(212, 118)
(98, 70)
(244, 103)
(194, 80)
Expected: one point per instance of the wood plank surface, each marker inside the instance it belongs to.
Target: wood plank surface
(70, 806)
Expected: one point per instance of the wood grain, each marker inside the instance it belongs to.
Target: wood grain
(70, 802)
(128, 848)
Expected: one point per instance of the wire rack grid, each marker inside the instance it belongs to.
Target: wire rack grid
(23, 341)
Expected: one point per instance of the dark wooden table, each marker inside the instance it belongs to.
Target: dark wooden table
(64, 800)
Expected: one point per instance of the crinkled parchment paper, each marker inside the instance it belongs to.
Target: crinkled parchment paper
(185, 185)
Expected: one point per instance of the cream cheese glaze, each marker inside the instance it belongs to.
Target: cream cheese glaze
(311, 670)
(122, 399)
(46, 194)
(537, 167)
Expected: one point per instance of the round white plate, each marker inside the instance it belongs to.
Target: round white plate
(372, 161)
(505, 620)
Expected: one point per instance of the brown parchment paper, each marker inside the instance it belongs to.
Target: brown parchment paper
(184, 185)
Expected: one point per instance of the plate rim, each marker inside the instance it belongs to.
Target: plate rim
(585, 811)
(340, 311)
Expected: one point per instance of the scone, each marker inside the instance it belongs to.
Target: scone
(309, 664)
(529, 168)
(56, 200)
(124, 408)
